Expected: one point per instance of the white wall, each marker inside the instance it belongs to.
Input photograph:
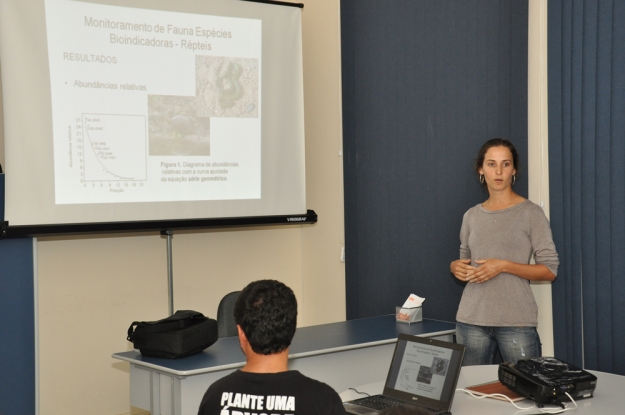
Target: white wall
(324, 298)
(538, 159)
(1, 122)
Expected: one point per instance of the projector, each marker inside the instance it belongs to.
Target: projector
(547, 380)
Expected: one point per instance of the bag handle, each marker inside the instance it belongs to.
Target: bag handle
(179, 320)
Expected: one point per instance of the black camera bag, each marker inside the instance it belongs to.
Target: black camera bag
(185, 333)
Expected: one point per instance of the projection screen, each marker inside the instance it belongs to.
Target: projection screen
(138, 111)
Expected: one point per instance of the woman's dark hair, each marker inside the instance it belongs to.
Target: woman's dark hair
(266, 310)
(496, 142)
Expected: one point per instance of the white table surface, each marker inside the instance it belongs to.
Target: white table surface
(608, 399)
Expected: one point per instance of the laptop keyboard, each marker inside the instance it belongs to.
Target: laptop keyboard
(378, 402)
(381, 402)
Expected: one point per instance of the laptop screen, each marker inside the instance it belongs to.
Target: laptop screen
(424, 371)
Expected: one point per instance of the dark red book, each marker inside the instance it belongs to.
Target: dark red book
(495, 386)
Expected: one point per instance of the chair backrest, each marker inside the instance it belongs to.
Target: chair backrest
(226, 326)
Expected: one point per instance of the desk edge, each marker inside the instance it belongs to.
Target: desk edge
(185, 373)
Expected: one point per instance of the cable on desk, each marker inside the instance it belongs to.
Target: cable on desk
(361, 393)
(542, 410)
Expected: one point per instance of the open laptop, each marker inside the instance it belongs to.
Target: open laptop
(422, 378)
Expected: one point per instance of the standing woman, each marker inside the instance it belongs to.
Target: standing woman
(498, 238)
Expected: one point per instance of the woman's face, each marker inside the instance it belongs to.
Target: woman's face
(498, 168)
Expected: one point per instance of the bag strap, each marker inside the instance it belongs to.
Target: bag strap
(179, 320)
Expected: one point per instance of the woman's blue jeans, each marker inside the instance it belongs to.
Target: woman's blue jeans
(482, 342)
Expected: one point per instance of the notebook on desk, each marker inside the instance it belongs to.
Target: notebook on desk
(422, 377)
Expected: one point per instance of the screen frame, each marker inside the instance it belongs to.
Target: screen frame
(7, 231)
(96, 227)
(449, 388)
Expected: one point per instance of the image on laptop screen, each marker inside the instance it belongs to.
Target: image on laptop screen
(425, 368)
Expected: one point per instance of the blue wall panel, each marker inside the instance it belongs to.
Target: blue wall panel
(17, 327)
(425, 84)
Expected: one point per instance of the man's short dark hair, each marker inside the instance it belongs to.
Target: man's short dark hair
(266, 310)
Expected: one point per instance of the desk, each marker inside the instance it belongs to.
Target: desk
(608, 397)
(339, 354)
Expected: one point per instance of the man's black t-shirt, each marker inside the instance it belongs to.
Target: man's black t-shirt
(284, 393)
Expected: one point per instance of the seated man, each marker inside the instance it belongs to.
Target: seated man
(266, 317)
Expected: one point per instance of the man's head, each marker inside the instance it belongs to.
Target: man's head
(266, 311)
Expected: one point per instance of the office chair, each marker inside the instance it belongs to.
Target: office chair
(226, 327)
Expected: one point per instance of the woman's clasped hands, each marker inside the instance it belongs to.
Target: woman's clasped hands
(485, 270)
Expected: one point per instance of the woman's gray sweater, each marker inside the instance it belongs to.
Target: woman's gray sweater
(514, 234)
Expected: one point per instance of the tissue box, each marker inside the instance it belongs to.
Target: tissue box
(408, 315)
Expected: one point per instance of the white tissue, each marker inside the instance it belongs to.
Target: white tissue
(413, 301)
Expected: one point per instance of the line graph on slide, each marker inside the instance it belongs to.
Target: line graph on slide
(115, 147)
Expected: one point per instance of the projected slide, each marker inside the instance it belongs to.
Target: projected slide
(151, 106)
